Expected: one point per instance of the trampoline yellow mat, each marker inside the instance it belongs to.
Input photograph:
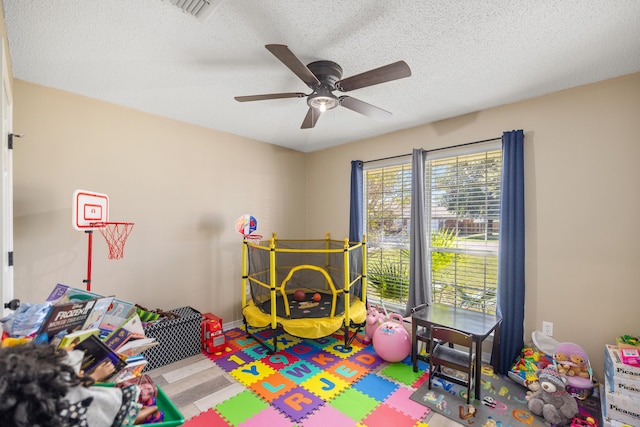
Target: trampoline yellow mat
(310, 327)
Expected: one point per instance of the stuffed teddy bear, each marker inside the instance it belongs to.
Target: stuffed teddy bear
(552, 401)
(561, 360)
(578, 366)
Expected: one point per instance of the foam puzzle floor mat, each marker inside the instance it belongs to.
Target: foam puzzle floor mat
(313, 383)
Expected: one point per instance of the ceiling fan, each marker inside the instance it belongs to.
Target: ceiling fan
(324, 77)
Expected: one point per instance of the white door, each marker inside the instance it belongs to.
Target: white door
(6, 198)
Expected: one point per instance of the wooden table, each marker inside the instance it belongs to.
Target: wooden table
(478, 324)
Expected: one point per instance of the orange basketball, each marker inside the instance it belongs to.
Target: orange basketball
(316, 297)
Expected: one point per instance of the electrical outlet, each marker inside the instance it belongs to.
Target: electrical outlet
(547, 328)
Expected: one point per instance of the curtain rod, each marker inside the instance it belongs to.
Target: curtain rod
(435, 149)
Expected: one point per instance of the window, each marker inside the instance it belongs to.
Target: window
(463, 206)
(388, 210)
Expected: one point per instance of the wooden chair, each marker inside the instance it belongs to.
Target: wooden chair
(421, 335)
(458, 355)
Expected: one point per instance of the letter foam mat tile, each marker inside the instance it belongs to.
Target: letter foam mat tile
(241, 407)
(400, 400)
(251, 372)
(403, 373)
(270, 417)
(313, 383)
(375, 386)
(328, 416)
(208, 418)
(348, 371)
(385, 416)
(272, 387)
(297, 403)
(325, 385)
(354, 404)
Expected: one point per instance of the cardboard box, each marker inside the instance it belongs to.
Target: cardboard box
(618, 407)
(622, 385)
(608, 422)
(613, 365)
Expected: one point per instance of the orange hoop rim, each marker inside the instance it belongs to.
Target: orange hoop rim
(253, 237)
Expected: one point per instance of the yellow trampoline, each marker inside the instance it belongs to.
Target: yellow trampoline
(309, 288)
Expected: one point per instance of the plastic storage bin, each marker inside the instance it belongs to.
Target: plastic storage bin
(172, 416)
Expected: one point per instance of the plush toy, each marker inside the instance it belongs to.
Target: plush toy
(578, 366)
(561, 360)
(552, 401)
(532, 383)
(374, 319)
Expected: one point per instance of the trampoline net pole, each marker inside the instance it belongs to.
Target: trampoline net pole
(272, 273)
(244, 273)
(345, 266)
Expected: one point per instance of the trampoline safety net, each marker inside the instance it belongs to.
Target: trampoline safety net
(308, 276)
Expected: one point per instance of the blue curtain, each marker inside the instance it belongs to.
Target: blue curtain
(511, 286)
(419, 289)
(356, 219)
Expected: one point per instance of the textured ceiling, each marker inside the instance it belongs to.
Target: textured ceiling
(464, 55)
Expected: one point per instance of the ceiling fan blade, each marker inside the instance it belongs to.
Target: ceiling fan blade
(387, 73)
(311, 118)
(364, 108)
(287, 57)
(269, 96)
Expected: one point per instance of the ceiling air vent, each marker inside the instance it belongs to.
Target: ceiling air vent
(201, 9)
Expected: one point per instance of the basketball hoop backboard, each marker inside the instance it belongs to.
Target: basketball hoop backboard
(89, 208)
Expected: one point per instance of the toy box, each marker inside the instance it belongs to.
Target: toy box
(630, 356)
(212, 337)
(178, 338)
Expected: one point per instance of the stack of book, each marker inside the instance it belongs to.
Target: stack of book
(104, 328)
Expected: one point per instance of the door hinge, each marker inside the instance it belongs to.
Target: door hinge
(10, 258)
(11, 136)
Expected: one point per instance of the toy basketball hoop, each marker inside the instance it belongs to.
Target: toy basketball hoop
(90, 212)
(253, 238)
(246, 225)
(115, 233)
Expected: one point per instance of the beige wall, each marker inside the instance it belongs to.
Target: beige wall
(582, 178)
(182, 185)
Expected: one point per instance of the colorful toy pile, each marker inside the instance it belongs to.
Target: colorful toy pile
(524, 370)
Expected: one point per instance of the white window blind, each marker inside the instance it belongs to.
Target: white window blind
(463, 198)
(463, 209)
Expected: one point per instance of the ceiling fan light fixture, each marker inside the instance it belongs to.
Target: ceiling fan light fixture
(323, 100)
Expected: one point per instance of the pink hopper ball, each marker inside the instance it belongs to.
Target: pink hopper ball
(391, 340)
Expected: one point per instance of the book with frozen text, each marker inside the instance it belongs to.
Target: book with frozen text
(64, 319)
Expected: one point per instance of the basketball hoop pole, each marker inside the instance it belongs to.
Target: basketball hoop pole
(90, 249)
